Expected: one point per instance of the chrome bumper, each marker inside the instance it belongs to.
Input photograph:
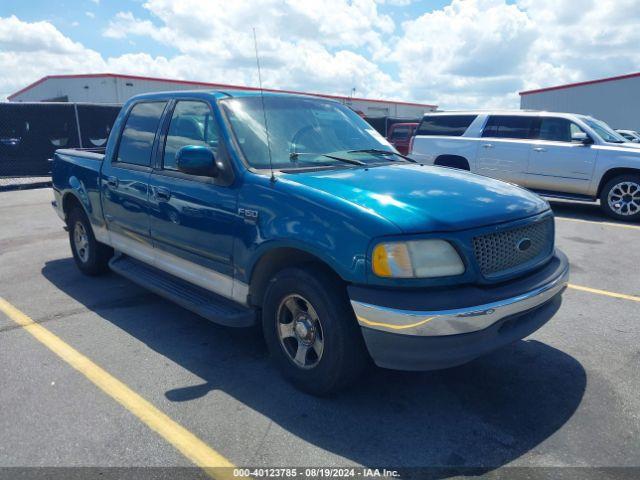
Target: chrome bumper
(456, 321)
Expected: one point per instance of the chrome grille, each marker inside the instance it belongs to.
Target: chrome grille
(498, 252)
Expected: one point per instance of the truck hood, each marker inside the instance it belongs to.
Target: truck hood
(419, 198)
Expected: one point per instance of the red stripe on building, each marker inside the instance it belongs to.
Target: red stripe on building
(581, 84)
(207, 84)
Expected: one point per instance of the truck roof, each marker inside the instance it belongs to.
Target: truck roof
(218, 94)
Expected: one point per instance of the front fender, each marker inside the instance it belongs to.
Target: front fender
(351, 272)
(288, 215)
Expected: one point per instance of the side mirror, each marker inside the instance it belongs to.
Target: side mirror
(581, 137)
(196, 160)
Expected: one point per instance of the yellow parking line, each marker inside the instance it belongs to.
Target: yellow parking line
(608, 224)
(605, 292)
(213, 463)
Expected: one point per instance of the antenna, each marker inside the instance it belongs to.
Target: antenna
(264, 111)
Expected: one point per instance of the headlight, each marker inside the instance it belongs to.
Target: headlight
(416, 259)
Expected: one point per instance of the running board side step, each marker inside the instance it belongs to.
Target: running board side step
(207, 304)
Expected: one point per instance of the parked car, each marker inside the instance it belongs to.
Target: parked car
(383, 124)
(558, 155)
(343, 249)
(400, 135)
(630, 135)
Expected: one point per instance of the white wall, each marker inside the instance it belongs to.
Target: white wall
(617, 102)
(119, 90)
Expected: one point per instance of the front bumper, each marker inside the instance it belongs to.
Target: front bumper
(426, 330)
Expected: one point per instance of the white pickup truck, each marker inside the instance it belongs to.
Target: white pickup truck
(558, 155)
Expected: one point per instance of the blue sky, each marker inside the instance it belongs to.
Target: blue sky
(456, 53)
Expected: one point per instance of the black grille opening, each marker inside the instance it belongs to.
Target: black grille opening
(506, 250)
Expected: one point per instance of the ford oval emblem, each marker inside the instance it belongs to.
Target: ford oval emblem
(524, 245)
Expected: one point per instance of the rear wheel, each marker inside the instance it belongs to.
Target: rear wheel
(91, 256)
(620, 198)
(311, 331)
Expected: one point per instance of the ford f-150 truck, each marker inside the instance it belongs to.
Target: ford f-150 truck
(293, 213)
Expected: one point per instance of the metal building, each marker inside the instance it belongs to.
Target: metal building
(616, 100)
(116, 88)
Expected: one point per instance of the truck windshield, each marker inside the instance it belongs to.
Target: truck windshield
(604, 131)
(303, 132)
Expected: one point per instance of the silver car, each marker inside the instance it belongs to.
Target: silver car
(558, 155)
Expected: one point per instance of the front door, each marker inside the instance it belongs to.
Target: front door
(193, 217)
(556, 163)
(504, 148)
(125, 179)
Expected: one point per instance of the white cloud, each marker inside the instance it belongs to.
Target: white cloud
(396, 3)
(481, 53)
(471, 53)
(90, 14)
(304, 44)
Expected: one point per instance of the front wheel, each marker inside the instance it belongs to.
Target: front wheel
(91, 256)
(311, 331)
(620, 198)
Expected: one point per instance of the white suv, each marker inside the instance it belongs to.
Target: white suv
(555, 154)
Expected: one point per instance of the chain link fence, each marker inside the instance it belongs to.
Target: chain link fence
(30, 133)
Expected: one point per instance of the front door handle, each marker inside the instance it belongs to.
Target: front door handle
(112, 182)
(163, 193)
(487, 145)
(539, 149)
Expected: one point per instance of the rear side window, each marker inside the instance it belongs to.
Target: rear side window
(445, 125)
(400, 132)
(509, 126)
(139, 133)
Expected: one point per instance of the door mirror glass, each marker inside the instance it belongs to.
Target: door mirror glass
(581, 137)
(196, 160)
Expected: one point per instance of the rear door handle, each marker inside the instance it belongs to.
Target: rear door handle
(163, 193)
(539, 149)
(487, 145)
(112, 181)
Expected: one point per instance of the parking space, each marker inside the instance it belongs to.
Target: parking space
(566, 396)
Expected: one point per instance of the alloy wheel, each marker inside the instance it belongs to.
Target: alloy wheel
(300, 331)
(81, 241)
(624, 198)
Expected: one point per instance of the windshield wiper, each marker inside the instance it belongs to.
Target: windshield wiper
(376, 151)
(295, 155)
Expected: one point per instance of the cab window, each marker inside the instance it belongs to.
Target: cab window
(139, 133)
(192, 123)
(557, 129)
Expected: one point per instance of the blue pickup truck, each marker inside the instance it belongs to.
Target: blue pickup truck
(292, 213)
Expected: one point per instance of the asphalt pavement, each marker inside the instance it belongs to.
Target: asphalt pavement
(567, 396)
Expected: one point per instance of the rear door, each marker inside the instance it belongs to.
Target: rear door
(193, 217)
(125, 178)
(505, 147)
(556, 163)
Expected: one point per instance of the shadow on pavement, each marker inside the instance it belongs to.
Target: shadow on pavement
(482, 415)
(583, 211)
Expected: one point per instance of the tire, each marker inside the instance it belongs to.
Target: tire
(91, 256)
(620, 198)
(343, 355)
